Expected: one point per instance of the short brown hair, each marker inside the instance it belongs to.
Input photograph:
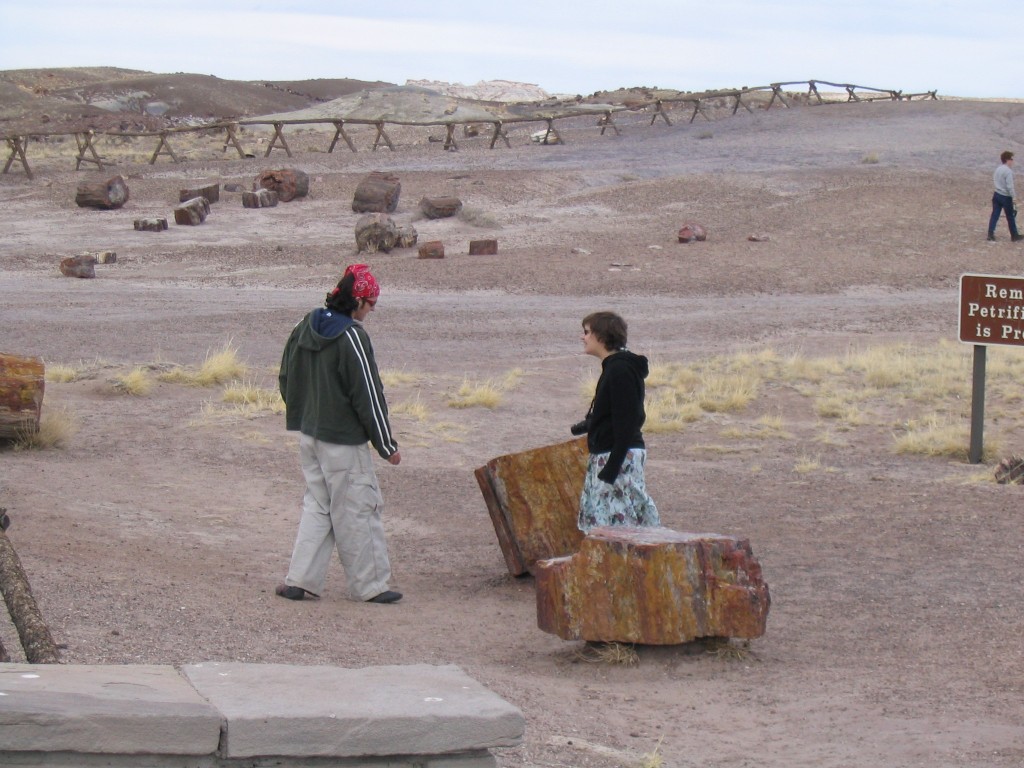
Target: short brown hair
(1007, 155)
(609, 328)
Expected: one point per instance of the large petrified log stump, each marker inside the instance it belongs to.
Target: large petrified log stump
(288, 183)
(533, 498)
(22, 383)
(211, 192)
(376, 232)
(440, 207)
(377, 193)
(192, 212)
(653, 586)
(112, 193)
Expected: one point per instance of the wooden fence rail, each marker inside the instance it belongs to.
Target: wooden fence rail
(17, 144)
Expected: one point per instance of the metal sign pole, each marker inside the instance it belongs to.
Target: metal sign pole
(978, 405)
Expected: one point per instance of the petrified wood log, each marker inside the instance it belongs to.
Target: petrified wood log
(407, 236)
(192, 212)
(260, 198)
(112, 193)
(377, 193)
(211, 192)
(151, 225)
(653, 586)
(35, 636)
(483, 247)
(83, 265)
(440, 207)
(691, 232)
(432, 250)
(288, 183)
(376, 232)
(533, 498)
(22, 383)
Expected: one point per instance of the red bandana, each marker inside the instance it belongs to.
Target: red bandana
(365, 286)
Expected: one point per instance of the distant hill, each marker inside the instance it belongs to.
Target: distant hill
(105, 98)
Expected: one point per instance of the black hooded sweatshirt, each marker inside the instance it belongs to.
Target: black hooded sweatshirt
(617, 413)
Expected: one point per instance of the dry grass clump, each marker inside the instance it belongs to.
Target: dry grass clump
(249, 397)
(218, 368)
(399, 378)
(478, 218)
(56, 428)
(621, 654)
(414, 409)
(725, 648)
(135, 383)
(933, 435)
(62, 374)
(484, 394)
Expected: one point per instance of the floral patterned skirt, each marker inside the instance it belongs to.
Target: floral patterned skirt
(625, 502)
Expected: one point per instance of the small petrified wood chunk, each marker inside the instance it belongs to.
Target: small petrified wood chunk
(82, 265)
(288, 183)
(483, 247)
(192, 212)
(211, 192)
(433, 249)
(259, 198)
(440, 207)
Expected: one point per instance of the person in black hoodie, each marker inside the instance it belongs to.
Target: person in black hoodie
(334, 397)
(614, 489)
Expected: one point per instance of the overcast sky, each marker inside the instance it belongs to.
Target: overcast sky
(958, 47)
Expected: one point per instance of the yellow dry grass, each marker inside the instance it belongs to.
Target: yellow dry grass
(218, 368)
(136, 383)
(56, 428)
(487, 393)
(249, 397)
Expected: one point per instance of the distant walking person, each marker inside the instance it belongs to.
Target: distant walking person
(1002, 198)
(334, 397)
(614, 488)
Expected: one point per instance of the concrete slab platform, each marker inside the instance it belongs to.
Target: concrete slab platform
(309, 711)
(117, 710)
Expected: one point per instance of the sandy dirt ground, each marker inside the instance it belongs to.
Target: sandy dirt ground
(158, 533)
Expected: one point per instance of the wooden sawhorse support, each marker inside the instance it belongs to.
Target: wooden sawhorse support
(777, 94)
(500, 133)
(607, 122)
(697, 107)
(163, 147)
(740, 103)
(232, 139)
(382, 135)
(18, 145)
(551, 131)
(449, 138)
(659, 110)
(85, 143)
(278, 134)
(339, 133)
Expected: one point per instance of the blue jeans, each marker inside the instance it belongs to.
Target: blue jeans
(1002, 203)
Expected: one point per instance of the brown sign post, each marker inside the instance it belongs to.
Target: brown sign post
(991, 312)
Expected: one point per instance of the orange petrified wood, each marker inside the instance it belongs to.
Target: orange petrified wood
(22, 383)
(653, 586)
(533, 498)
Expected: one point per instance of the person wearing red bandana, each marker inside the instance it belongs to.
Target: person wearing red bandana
(334, 398)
